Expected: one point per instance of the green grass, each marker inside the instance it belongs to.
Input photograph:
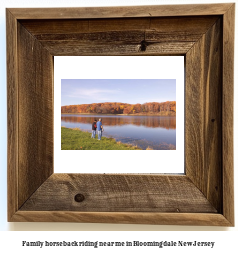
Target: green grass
(75, 139)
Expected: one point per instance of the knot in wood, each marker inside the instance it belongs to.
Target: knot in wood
(143, 45)
(79, 198)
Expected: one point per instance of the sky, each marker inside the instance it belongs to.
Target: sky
(132, 91)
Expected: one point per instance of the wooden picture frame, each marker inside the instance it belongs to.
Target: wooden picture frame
(204, 34)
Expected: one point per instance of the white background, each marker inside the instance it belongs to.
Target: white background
(10, 241)
(106, 67)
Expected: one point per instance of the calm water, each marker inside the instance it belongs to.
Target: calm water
(157, 132)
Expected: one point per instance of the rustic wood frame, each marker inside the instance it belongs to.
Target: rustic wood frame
(204, 34)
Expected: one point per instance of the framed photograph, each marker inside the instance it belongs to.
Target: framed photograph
(134, 186)
(141, 108)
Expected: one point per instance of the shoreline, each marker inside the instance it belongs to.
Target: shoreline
(77, 139)
(82, 141)
(138, 114)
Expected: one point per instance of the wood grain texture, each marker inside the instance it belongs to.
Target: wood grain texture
(179, 25)
(174, 36)
(192, 219)
(115, 49)
(117, 12)
(12, 114)
(227, 113)
(141, 193)
(204, 115)
(35, 114)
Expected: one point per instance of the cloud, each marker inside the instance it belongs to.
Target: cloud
(95, 93)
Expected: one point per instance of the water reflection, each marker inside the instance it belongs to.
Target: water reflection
(148, 121)
(155, 132)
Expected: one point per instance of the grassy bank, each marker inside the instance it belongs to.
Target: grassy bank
(75, 139)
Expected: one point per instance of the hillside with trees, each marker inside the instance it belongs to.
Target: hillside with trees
(149, 108)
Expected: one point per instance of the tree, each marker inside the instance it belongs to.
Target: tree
(126, 110)
(121, 108)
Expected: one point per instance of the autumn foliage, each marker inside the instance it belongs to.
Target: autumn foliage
(122, 108)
